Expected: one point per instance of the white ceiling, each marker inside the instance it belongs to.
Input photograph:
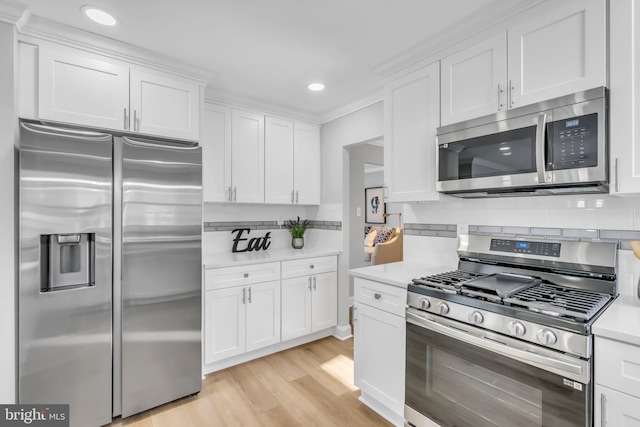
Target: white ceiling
(265, 52)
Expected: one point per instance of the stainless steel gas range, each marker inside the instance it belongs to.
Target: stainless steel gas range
(505, 340)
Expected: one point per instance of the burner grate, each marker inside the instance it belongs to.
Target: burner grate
(448, 280)
(559, 301)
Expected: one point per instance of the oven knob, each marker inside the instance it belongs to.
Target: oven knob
(424, 303)
(476, 317)
(443, 308)
(547, 337)
(516, 328)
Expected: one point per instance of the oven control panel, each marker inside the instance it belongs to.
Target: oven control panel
(526, 247)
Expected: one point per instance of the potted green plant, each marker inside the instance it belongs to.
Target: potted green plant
(297, 229)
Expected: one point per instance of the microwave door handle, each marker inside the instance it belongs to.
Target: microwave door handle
(540, 160)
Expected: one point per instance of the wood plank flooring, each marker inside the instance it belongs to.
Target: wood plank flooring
(309, 385)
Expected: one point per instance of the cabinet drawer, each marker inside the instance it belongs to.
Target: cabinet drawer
(618, 365)
(307, 266)
(219, 278)
(392, 299)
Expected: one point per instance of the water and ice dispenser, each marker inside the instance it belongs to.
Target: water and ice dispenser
(67, 261)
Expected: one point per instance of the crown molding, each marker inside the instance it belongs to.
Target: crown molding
(233, 101)
(428, 51)
(13, 13)
(352, 107)
(37, 28)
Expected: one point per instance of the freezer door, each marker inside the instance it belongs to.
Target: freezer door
(161, 273)
(64, 288)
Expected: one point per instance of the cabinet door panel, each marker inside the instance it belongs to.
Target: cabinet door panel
(379, 352)
(615, 409)
(278, 161)
(82, 89)
(474, 81)
(307, 164)
(164, 106)
(263, 315)
(411, 117)
(216, 153)
(247, 157)
(224, 324)
(324, 301)
(559, 53)
(296, 307)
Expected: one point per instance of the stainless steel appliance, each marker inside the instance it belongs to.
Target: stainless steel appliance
(554, 147)
(506, 340)
(110, 272)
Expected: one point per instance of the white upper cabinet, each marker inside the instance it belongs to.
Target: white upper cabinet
(306, 164)
(247, 157)
(82, 88)
(624, 104)
(216, 153)
(474, 81)
(278, 164)
(292, 162)
(164, 106)
(411, 117)
(556, 50)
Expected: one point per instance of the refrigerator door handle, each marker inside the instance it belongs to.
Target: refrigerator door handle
(65, 133)
(151, 143)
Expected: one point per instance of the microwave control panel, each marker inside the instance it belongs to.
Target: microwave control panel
(573, 142)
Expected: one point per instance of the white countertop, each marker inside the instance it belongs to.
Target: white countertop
(621, 321)
(397, 273)
(229, 259)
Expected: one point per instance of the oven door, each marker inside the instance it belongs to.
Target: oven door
(460, 375)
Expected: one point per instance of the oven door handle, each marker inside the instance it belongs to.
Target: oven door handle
(575, 369)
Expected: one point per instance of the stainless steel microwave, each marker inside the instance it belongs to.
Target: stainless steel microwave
(553, 147)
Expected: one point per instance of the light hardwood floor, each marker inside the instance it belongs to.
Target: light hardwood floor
(310, 385)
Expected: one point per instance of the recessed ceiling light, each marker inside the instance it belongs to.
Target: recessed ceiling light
(316, 86)
(100, 16)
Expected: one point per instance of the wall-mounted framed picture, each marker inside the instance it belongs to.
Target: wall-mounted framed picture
(374, 205)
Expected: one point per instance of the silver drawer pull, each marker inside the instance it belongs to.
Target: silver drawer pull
(312, 266)
(246, 275)
(377, 296)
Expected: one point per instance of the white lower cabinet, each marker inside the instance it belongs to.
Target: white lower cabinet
(309, 301)
(241, 319)
(379, 347)
(617, 390)
(249, 308)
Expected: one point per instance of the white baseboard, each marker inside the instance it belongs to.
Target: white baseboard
(342, 332)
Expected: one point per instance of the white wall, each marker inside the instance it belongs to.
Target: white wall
(8, 138)
(363, 125)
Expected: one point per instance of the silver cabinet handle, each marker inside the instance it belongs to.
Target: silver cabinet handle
(229, 194)
(296, 196)
(291, 196)
(244, 295)
(309, 282)
(500, 104)
(249, 294)
(235, 194)
(603, 410)
(617, 174)
(314, 283)
(511, 102)
(312, 266)
(135, 121)
(355, 313)
(246, 275)
(377, 296)
(540, 162)
(126, 121)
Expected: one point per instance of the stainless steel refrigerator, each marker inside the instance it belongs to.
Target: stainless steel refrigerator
(110, 272)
